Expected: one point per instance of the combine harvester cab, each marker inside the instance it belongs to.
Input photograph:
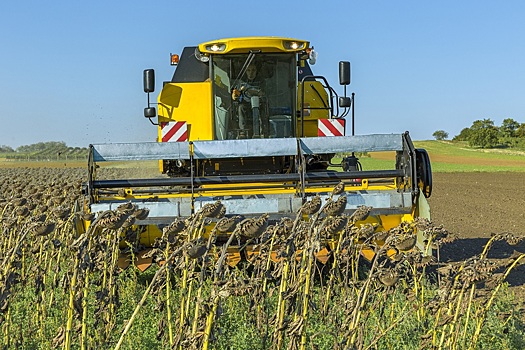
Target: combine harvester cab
(257, 146)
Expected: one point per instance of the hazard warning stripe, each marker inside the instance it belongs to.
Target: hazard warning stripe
(174, 132)
(331, 127)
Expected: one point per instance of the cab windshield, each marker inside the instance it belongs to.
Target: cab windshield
(254, 95)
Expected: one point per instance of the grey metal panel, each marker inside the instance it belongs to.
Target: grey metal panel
(140, 151)
(166, 211)
(358, 143)
(156, 209)
(244, 148)
(272, 204)
(377, 199)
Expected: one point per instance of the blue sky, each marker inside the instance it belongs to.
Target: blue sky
(72, 71)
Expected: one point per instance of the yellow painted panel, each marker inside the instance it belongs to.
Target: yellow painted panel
(315, 96)
(191, 103)
(390, 221)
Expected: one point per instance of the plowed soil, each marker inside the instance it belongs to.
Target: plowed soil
(475, 205)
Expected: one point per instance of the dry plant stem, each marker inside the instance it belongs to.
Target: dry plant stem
(196, 311)
(83, 342)
(168, 296)
(434, 329)
(481, 318)
(452, 326)
(183, 292)
(268, 263)
(105, 269)
(201, 283)
(361, 299)
(3, 210)
(280, 301)
(71, 307)
(184, 283)
(451, 297)
(111, 316)
(269, 260)
(6, 265)
(487, 247)
(23, 259)
(335, 263)
(6, 244)
(5, 326)
(209, 322)
(220, 262)
(144, 297)
(306, 297)
(190, 291)
(467, 317)
(418, 285)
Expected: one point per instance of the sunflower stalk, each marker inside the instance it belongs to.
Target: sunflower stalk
(144, 297)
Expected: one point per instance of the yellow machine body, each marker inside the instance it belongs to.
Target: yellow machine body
(256, 146)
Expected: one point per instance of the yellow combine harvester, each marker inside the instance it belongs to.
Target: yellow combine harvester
(246, 123)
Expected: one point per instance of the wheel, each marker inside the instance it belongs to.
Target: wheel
(424, 172)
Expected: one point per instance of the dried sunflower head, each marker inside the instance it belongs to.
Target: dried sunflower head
(196, 250)
(141, 213)
(61, 212)
(175, 227)
(43, 229)
(213, 210)
(405, 242)
(127, 208)
(312, 206)
(388, 277)
(227, 224)
(22, 211)
(18, 202)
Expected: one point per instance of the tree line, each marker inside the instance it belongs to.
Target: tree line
(41, 150)
(484, 133)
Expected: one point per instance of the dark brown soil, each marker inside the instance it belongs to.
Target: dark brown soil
(475, 205)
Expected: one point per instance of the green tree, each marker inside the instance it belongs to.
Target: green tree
(440, 135)
(6, 149)
(520, 132)
(463, 135)
(484, 134)
(50, 146)
(508, 127)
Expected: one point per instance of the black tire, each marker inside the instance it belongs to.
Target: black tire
(424, 172)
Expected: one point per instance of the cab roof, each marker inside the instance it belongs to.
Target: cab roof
(246, 44)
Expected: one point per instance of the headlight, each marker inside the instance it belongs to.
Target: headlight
(216, 47)
(200, 56)
(294, 45)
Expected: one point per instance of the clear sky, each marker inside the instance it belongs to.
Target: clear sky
(72, 71)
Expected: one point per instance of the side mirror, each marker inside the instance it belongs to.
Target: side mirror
(345, 102)
(344, 72)
(150, 112)
(149, 80)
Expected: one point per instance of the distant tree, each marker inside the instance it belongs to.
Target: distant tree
(483, 134)
(463, 135)
(508, 127)
(520, 131)
(51, 146)
(6, 149)
(440, 135)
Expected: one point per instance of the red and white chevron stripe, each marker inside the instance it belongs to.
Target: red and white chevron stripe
(174, 132)
(331, 127)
